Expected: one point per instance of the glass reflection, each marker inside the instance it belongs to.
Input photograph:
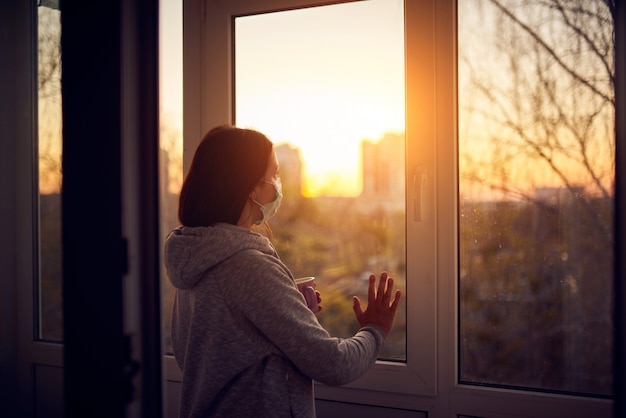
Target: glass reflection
(50, 324)
(536, 155)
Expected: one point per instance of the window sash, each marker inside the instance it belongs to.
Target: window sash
(214, 38)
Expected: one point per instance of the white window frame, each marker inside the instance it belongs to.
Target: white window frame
(428, 381)
(208, 41)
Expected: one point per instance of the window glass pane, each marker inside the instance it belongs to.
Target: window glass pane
(170, 139)
(50, 324)
(536, 156)
(326, 84)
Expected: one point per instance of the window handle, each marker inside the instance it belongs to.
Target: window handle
(420, 182)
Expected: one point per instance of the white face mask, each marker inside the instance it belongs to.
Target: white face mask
(269, 209)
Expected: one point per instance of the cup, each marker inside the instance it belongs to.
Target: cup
(306, 286)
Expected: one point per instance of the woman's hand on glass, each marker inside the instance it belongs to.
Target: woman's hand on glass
(381, 309)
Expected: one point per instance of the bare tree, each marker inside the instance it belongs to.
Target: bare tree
(537, 111)
(49, 98)
(49, 150)
(549, 109)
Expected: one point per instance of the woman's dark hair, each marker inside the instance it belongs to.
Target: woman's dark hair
(227, 165)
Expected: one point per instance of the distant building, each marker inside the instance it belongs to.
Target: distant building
(383, 171)
(290, 168)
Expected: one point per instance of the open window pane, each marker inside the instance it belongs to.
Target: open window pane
(50, 315)
(170, 140)
(326, 84)
(536, 155)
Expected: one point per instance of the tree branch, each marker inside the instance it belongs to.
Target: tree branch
(551, 51)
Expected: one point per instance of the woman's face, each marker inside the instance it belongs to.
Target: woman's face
(262, 194)
(265, 192)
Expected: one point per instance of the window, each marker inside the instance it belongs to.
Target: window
(32, 239)
(447, 315)
(170, 139)
(205, 110)
(50, 307)
(536, 147)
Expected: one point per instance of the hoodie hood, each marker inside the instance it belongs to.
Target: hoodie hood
(191, 251)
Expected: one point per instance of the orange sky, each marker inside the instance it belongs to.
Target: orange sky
(322, 79)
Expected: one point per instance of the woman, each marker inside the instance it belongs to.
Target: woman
(242, 334)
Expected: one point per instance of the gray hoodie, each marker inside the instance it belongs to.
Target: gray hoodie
(242, 333)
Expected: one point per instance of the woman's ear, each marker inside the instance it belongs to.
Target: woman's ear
(252, 194)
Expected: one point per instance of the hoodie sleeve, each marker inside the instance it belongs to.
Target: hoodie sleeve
(271, 301)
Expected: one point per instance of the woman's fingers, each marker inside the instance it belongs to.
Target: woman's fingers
(385, 289)
(388, 291)
(396, 300)
(356, 307)
(382, 284)
(371, 290)
(381, 309)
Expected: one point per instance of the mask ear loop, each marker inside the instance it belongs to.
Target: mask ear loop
(251, 198)
(263, 226)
